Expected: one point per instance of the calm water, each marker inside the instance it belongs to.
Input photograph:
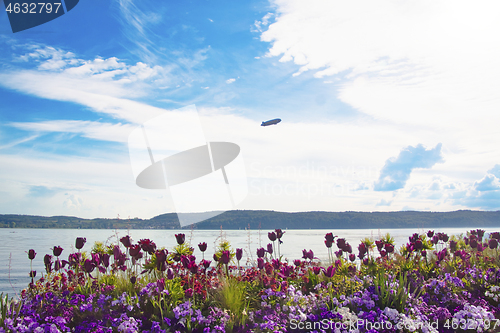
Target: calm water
(14, 262)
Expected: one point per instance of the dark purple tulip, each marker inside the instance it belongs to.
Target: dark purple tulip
(460, 274)
(206, 263)
(170, 273)
(133, 279)
(365, 261)
(466, 240)
(134, 250)
(270, 248)
(57, 250)
(389, 248)
(348, 248)
(297, 262)
(453, 246)
(339, 253)
(495, 235)
(57, 265)
(383, 253)
(330, 271)
(362, 249)
(161, 258)
(80, 242)
(188, 293)
(276, 263)
(47, 260)
(126, 241)
(272, 236)
(430, 233)
(225, 257)
(435, 239)
(418, 245)
(480, 247)
(181, 238)
(493, 243)
(185, 261)
(215, 257)
(379, 244)
(341, 243)
(193, 268)
(413, 238)
(308, 254)
(480, 234)
(279, 233)
(261, 252)
(101, 269)
(202, 246)
(445, 238)
(329, 237)
(285, 271)
(31, 254)
(239, 254)
(260, 263)
(147, 246)
(351, 269)
(316, 270)
(473, 243)
(423, 253)
(352, 257)
(328, 243)
(160, 284)
(104, 259)
(441, 254)
(32, 274)
(89, 266)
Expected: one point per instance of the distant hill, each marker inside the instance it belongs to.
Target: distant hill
(261, 219)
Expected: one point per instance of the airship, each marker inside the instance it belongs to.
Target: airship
(270, 122)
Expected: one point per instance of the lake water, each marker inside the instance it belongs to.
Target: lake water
(15, 265)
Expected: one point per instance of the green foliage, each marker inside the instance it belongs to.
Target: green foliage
(9, 308)
(233, 296)
(100, 248)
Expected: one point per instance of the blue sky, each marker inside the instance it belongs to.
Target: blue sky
(385, 107)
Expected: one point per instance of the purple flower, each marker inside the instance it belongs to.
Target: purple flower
(188, 293)
(261, 252)
(430, 233)
(47, 260)
(134, 250)
(31, 254)
(328, 243)
(418, 244)
(181, 238)
(202, 246)
(352, 257)
(225, 257)
(308, 254)
(270, 248)
(206, 263)
(126, 241)
(89, 266)
(389, 248)
(329, 237)
(239, 254)
(161, 258)
(147, 246)
(316, 270)
(104, 259)
(170, 273)
(279, 233)
(330, 271)
(80, 242)
(133, 279)
(493, 243)
(32, 274)
(57, 250)
(272, 236)
(495, 235)
(297, 262)
(260, 263)
(453, 246)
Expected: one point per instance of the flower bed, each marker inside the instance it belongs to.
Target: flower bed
(432, 284)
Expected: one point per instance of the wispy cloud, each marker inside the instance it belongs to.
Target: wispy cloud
(396, 171)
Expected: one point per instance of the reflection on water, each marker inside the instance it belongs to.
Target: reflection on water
(14, 262)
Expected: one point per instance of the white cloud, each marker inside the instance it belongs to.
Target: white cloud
(229, 81)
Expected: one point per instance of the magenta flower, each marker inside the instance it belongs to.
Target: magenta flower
(80, 242)
(297, 262)
(89, 266)
(272, 236)
(202, 246)
(188, 293)
(329, 237)
(206, 263)
(181, 238)
(239, 254)
(352, 257)
(104, 259)
(308, 254)
(215, 257)
(316, 270)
